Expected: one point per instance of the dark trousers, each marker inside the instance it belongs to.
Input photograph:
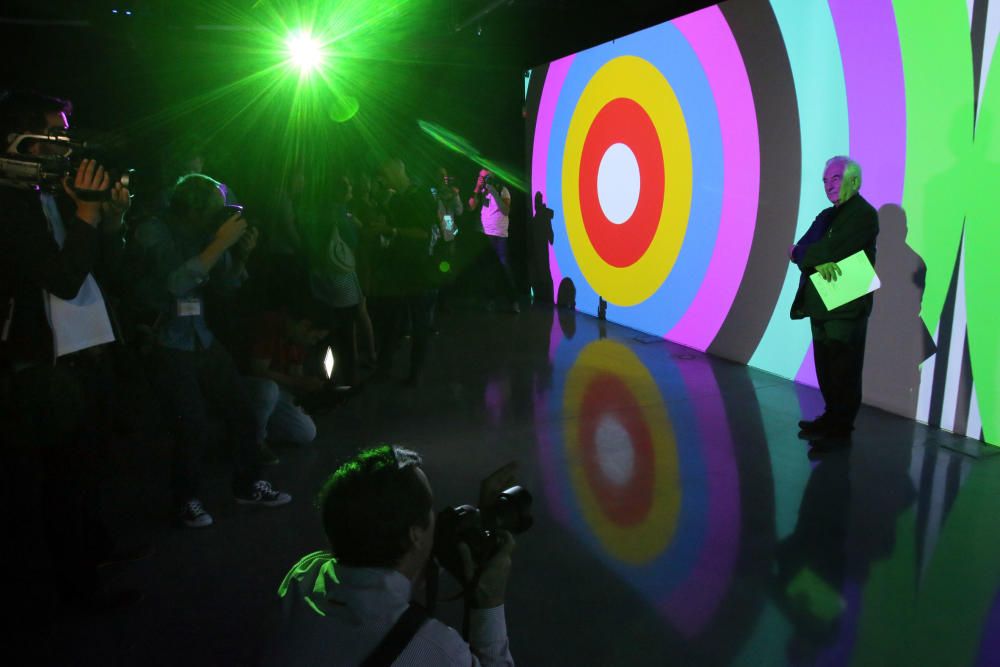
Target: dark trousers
(188, 384)
(391, 314)
(57, 421)
(506, 278)
(839, 350)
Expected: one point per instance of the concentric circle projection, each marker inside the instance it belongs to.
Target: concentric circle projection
(626, 263)
(629, 152)
(621, 152)
(618, 183)
(652, 487)
(635, 517)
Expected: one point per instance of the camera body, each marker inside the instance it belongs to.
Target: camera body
(58, 156)
(478, 528)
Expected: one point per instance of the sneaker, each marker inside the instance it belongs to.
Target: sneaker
(266, 456)
(515, 307)
(262, 493)
(193, 515)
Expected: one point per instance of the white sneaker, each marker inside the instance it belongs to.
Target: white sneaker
(193, 515)
(262, 493)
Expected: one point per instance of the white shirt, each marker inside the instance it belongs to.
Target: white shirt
(338, 618)
(495, 221)
(82, 321)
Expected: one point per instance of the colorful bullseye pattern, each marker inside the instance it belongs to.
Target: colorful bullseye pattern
(683, 160)
(633, 476)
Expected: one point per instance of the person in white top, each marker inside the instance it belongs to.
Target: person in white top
(338, 606)
(492, 198)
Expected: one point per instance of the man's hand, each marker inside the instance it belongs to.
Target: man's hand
(231, 231)
(498, 481)
(89, 182)
(491, 588)
(829, 271)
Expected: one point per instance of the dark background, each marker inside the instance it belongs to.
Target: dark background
(459, 63)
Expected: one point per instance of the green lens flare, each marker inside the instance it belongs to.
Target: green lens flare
(305, 52)
(444, 267)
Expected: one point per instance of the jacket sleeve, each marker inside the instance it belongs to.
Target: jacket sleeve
(167, 268)
(60, 271)
(812, 235)
(847, 237)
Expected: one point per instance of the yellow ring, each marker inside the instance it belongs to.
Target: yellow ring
(642, 542)
(632, 78)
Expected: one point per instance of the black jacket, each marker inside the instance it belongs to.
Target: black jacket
(31, 263)
(835, 234)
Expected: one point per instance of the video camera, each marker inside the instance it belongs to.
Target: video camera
(478, 528)
(57, 157)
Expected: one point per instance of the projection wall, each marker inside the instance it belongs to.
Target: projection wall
(683, 160)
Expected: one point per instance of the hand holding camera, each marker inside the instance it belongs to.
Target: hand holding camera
(88, 190)
(232, 230)
(475, 544)
(491, 577)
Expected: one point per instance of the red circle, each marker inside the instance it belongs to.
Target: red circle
(625, 504)
(622, 121)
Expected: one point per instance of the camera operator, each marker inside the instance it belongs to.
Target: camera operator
(57, 246)
(200, 245)
(341, 607)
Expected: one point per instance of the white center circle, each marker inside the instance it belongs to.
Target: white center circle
(618, 183)
(615, 454)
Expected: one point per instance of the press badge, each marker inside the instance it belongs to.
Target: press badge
(188, 307)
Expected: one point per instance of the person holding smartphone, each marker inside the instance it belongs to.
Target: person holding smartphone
(449, 208)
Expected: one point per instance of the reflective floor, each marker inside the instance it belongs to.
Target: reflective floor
(679, 519)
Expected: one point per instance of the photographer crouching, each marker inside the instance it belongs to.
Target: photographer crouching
(60, 239)
(357, 604)
(201, 245)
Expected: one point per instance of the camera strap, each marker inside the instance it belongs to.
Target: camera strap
(398, 638)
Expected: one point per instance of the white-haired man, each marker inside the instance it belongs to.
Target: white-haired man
(847, 227)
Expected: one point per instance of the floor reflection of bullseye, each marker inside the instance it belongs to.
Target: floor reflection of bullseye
(615, 454)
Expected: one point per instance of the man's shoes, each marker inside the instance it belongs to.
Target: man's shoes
(826, 430)
(266, 456)
(812, 424)
(193, 515)
(262, 493)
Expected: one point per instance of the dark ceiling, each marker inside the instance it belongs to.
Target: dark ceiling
(515, 33)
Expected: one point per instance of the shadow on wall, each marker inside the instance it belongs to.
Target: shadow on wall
(898, 340)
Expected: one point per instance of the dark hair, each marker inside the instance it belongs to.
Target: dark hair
(25, 110)
(369, 505)
(191, 197)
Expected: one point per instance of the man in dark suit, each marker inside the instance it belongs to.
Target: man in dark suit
(58, 252)
(847, 227)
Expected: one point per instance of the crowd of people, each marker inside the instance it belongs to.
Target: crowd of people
(229, 306)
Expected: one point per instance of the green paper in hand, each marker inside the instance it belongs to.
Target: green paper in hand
(857, 279)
